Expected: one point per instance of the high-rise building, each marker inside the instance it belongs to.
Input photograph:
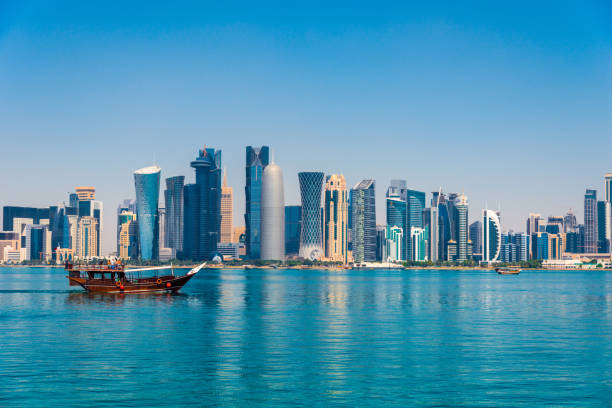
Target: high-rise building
(85, 193)
(569, 222)
(202, 208)
(335, 219)
(603, 226)
(418, 243)
(272, 213)
(394, 241)
(459, 223)
(293, 220)
(381, 232)
(87, 238)
(128, 235)
(311, 187)
(554, 224)
(415, 203)
(257, 158)
(444, 224)
(431, 220)
(363, 221)
(37, 242)
(128, 205)
(476, 237)
(590, 221)
(396, 208)
(174, 201)
(146, 181)
(608, 187)
(533, 223)
(227, 211)
(515, 247)
(10, 213)
(491, 236)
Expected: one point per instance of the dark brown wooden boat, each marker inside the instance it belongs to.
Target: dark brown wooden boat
(117, 279)
(508, 271)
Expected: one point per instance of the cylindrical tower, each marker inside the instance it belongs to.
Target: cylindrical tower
(311, 187)
(272, 214)
(146, 181)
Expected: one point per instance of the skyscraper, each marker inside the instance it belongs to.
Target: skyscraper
(459, 224)
(127, 205)
(491, 236)
(444, 224)
(603, 226)
(257, 158)
(128, 235)
(533, 223)
(476, 237)
(146, 181)
(363, 216)
(335, 216)
(202, 220)
(396, 209)
(569, 222)
(174, 201)
(311, 187)
(431, 219)
(608, 187)
(293, 220)
(415, 203)
(418, 244)
(394, 240)
(227, 211)
(272, 213)
(590, 221)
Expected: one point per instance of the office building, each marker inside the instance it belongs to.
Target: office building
(418, 244)
(174, 200)
(257, 158)
(394, 240)
(10, 240)
(603, 226)
(202, 208)
(85, 193)
(272, 214)
(554, 225)
(87, 238)
(476, 237)
(146, 182)
(335, 219)
(491, 236)
(311, 187)
(608, 187)
(227, 211)
(590, 221)
(431, 219)
(533, 223)
(569, 222)
(128, 205)
(293, 222)
(396, 207)
(363, 221)
(128, 235)
(415, 204)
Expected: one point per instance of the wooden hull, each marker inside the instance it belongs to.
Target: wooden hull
(148, 285)
(508, 271)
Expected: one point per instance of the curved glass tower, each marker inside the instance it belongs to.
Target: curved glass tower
(146, 181)
(491, 236)
(272, 214)
(311, 187)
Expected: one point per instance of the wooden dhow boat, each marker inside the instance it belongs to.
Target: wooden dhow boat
(508, 270)
(117, 279)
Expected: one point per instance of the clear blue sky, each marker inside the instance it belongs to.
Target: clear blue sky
(508, 102)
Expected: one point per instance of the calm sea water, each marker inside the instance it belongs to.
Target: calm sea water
(311, 338)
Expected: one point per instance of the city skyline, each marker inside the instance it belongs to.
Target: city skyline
(510, 110)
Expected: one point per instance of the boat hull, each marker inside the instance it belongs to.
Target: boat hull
(508, 271)
(161, 284)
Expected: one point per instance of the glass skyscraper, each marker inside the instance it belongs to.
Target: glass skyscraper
(293, 219)
(311, 188)
(202, 207)
(590, 221)
(174, 200)
(415, 203)
(257, 158)
(363, 220)
(146, 181)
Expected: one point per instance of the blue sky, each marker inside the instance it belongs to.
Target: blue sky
(510, 103)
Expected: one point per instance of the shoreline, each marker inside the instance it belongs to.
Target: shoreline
(332, 268)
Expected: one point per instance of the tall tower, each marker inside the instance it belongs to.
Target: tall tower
(396, 210)
(311, 186)
(335, 216)
(227, 210)
(491, 236)
(272, 214)
(363, 214)
(461, 225)
(257, 158)
(590, 221)
(608, 187)
(205, 206)
(174, 201)
(415, 204)
(146, 181)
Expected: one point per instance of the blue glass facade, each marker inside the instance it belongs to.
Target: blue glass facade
(256, 160)
(311, 188)
(415, 203)
(202, 222)
(173, 197)
(363, 221)
(293, 219)
(146, 182)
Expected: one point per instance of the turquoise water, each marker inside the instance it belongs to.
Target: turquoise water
(311, 338)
